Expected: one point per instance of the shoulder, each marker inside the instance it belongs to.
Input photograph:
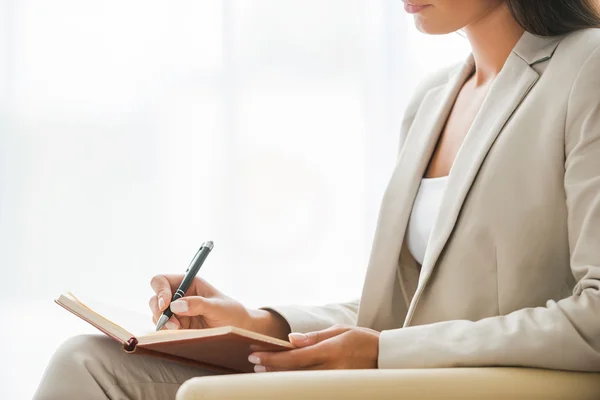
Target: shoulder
(583, 109)
(579, 45)
(583, 36)
(574, 68)
(584, 47)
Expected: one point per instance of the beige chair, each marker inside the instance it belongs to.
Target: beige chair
(429, 384)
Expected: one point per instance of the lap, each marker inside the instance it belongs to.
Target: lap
(97, 367)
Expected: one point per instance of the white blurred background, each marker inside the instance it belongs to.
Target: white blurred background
(132, 131)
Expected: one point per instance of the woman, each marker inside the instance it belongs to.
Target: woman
(505, 151)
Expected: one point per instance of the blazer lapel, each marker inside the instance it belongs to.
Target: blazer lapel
(508, 91)
(397, 202)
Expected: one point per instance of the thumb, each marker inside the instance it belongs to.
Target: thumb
(192, 306)
(312, 338)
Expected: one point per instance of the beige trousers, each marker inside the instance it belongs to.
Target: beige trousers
(96, 367)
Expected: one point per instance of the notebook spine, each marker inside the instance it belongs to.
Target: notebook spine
(129, 346)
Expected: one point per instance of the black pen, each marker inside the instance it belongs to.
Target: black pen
(190, 274)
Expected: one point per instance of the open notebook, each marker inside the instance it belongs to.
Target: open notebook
(224, 349)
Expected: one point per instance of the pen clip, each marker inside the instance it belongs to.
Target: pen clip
(207, 245)
(194, 259)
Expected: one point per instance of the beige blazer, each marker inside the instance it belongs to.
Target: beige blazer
(511, 276)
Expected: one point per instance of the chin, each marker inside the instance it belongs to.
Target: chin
(431, 28)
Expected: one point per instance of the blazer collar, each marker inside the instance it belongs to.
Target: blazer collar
(534, 49)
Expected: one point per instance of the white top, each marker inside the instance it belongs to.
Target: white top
(424, 213)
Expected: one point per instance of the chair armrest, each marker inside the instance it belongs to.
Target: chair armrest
(424, 384)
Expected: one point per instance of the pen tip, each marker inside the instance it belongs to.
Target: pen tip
(161, 322)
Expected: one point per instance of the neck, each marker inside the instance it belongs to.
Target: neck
(492, 39)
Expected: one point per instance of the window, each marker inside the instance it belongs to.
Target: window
(132, 131)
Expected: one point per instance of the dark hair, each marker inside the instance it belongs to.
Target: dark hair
(555, 17)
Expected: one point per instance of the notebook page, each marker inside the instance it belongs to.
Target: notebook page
(135, 323)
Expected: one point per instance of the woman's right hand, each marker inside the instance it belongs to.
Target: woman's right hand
(203, 306)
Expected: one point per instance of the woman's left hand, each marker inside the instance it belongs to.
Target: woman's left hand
(338, 347)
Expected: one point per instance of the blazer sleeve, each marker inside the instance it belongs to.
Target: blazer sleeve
(305, 319)
(563, 334)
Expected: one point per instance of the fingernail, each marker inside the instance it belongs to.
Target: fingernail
(254, 359)
(259, 368)
(298, 337)
(171, 325)
(179, 306)
(161, 304)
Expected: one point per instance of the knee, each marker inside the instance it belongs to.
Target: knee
(83, 355)
(75, 367)
(75, 344)
(80, 348)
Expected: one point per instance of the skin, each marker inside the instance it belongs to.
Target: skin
(492, 33)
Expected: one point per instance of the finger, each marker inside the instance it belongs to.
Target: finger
(172, 324)
(202, 287)
(312, 338)
(162, 287)
(192, 306)
(153, 303)
(290, 359)
(261, 368)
